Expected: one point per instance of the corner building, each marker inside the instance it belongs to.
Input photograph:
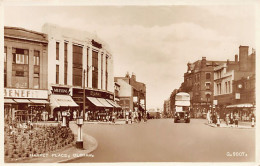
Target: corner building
(77, 58)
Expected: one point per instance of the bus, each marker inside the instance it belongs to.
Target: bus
(182, 107)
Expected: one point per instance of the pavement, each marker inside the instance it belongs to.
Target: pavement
(68, 153)
(241, 125)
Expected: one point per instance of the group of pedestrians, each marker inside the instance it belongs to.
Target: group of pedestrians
(135, 116)
(232, 119)
(212, 117)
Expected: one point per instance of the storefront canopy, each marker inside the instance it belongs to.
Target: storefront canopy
(105, 103)
(62, 101)
(39, 101)
(240, 106)
(22, 101)
(9, 101)
(95, 101)
(182, 103)
(113, 103)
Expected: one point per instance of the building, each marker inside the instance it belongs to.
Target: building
(25, 74)
(234, 82)
(79, 60)
(198, 82)
(132, 93)
(166, 108)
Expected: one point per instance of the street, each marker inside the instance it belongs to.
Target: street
(163, 140)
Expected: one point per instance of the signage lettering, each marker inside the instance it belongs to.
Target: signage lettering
(60, 90)
(25, 93)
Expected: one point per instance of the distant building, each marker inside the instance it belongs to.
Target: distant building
(166, 108)
(132, 93)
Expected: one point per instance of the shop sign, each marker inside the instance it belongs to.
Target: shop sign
(60, 90)
(237, 96)
(25, 93)
(95, 94)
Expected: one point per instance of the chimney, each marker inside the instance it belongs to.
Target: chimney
(227, 61)
(203, 62)
(243, 58)
(236, 58)
(189, 66)
(133, 76)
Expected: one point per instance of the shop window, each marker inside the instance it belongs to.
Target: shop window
(57, 74)
(57, 50)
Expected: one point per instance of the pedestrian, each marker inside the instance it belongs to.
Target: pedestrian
(127, 116)
(114, 117)
(231, 118)
(236, 119)
(133, 117)
(86, 116)
(227, 119)
(208, 117)
(74, 115)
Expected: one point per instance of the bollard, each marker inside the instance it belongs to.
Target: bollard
(253, 122)
(218, 122)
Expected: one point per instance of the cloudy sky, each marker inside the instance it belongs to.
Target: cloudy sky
(154, 42)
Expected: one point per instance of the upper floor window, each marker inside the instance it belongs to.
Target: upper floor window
(20, 56)
(36, 58)
(208, 75)
(57, 50)
(207, 86)
(65, 52)
(57, 74)
(5, 50)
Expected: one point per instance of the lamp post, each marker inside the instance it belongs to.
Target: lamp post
(79, 142)
(84, 94)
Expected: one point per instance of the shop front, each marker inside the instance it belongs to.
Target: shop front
(245, 111)
(99, 104)
(23, 105)
(61, 102)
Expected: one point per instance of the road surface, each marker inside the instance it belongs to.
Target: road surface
(162, 140)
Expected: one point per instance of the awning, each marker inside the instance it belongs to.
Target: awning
(104, 102)
(39, 101)
(113, 103)
(247, 105)
(22, 101)
(182, 103)
(95, 101)
(62, 101)
(9, 101)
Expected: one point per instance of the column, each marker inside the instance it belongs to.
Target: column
(99, 69)
(104, 71)
(89, 66)
(70, 59)
(61, 62)
(31, 68)
(84, 64)
(9, 65)
(51, 62)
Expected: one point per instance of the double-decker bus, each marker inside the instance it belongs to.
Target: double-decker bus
(182, 107)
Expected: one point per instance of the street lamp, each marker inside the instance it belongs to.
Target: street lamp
(79, 142)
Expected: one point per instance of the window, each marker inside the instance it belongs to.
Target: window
(36, 58)
(77, 65)
(220, 88)
(20, 56)
(5, 78)
(207, 76)
(36, 81)
(106, 70)
(65, 63)
(207, 86)
(95, 71)
(57, 50)
(229, 87)
(226, 87)
(102, 71)
(5, 50)
(57, 74)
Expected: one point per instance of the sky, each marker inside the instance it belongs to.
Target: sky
(154, 42)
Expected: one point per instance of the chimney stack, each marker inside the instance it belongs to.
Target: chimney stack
(243, 58)
(227, 61)
(236, 58)
(203, 62)
(133, 76)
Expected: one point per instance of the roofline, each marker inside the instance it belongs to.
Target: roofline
(27, 30)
